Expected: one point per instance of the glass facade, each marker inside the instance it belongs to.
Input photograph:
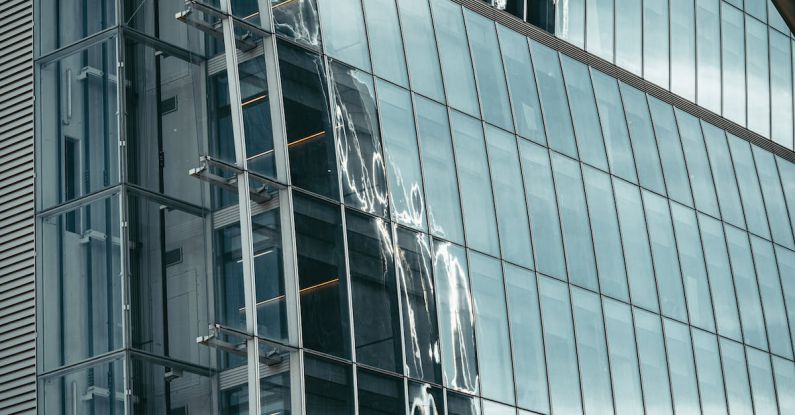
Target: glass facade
(403, 207)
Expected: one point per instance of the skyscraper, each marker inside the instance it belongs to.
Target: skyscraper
(411, 207)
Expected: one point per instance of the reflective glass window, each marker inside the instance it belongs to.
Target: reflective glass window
(584, 114)
(560, 132)
(671, 155)
(748, 183)
(656, 25)
(328, 387)
(66, 393)
(774, 18)
(761, 374)
(358, 140)
(454, 53)
(494, 343)
(780, 88)
(786, 170)
(708, 370)
(476, 192)
(380, 394)
(374, 293)
(773, 194)
(750, 305)
(527, 341)
(255, 103)
(425, 399)
(757, 8)
(564, 384)
(493, 408)
(786, 266)
(697, 163)
(456, 317)
(386, 42)
(733, 63)
(680, 367)
(488, 70)
(623, 357)
(313, 164)
(694, 271)
(297, 20)
(402, 155)
(708, 85)
(521, 84)
(628, 35)
(420, 45)
(344, 35)
(592, 351)
(574, 221)
(570, 21)
(614, 126)
(60, 23)
(441, 182)
(784, 373)
(420, 331)
(606, 235)
(514, 228)
(640, 271)
(462, 404)
(772, 297)
(720, 278)
(642, 136)
(653, 364)
(599, 28)
(722, 170)
(683, 51)
(543, 208)
(158, 391)
(757, 65)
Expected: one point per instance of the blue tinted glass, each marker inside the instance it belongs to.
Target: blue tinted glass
(710, 377)
(694, 272)
(737, 393)
(653, 367)
(725, 183)
(386, 43)
(522, 84)
(570, 21)
(772, 297)
(784, 372)
(733, 63)
(480, 223)
(761, 374)
(614, 126)
(628, 35)
(424, 399)
(666, 262)
(623, 357)
(708, 54)
(636, 245)
(493, 408)
(753, 322)
(697, 163)
(574, 221)
(560, 132)
(420, 43)
(773, 194)
(680, 366)
(592, 351)
(655, 41)
(781, 88)
(757, 65)
(584, 114)
(512, 218)
(599, 28)
(671, 155)
(786, 266)
(454, 53)
(643, 143)
(543, 209)
(748, 182)
(720, 277)
(344, 36)
(683, 52)
(787, 172)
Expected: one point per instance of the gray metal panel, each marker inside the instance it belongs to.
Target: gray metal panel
(17, 296)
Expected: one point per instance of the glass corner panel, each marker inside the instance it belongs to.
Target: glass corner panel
(95, 389)
(61, 23)
(157, 389)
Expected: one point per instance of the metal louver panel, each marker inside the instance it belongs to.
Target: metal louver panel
(17, 301)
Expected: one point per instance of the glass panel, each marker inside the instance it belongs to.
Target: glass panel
(775, 20)
(157, 390)
(328, 385)
(386, 43)
(786, 170)
(583, 109)
(655, 41)
(680, 366)
(493, 408)
(666, 262)
(599, 28)
(780, 225)
(423, 60)
(592, 351)
(742, 265)
(476, 192)
(488, 69)
(373, 287)
(344, 35)
(425, 399)
(514, 228)
(275, 393)
(720, 277)
(708, 65)
(640, 272)
(321, 276)
(683, 54)
(84, 391)
(63, 23)
(671, 155)
(380, 394)
(623, 357)
(462, 404)
(786, 266)
(710, 377)
(733, 64)
(748, 183)
(642, 135)
(784, 371)
(697, 163)
(297, 20)
(781, 88)
(454, 53)
(564, 384)
(420, 332)
(306, 117)
(402, 155)
(606, 236)
(456, 317)
(494, 343)
(694, 272)
(757, 62)
(258, 130)
(628, 35)
(761, 375)
(772, 297)
(543, 209)
(574, 221)
(77, 137)
(560, 132)
(441, 182)
(79, 286)
(570, 21)
(757, 8)
(653, 367)
(358, 141)
(528, 347)
(723, 171)
(614, 126)
(522, 86)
